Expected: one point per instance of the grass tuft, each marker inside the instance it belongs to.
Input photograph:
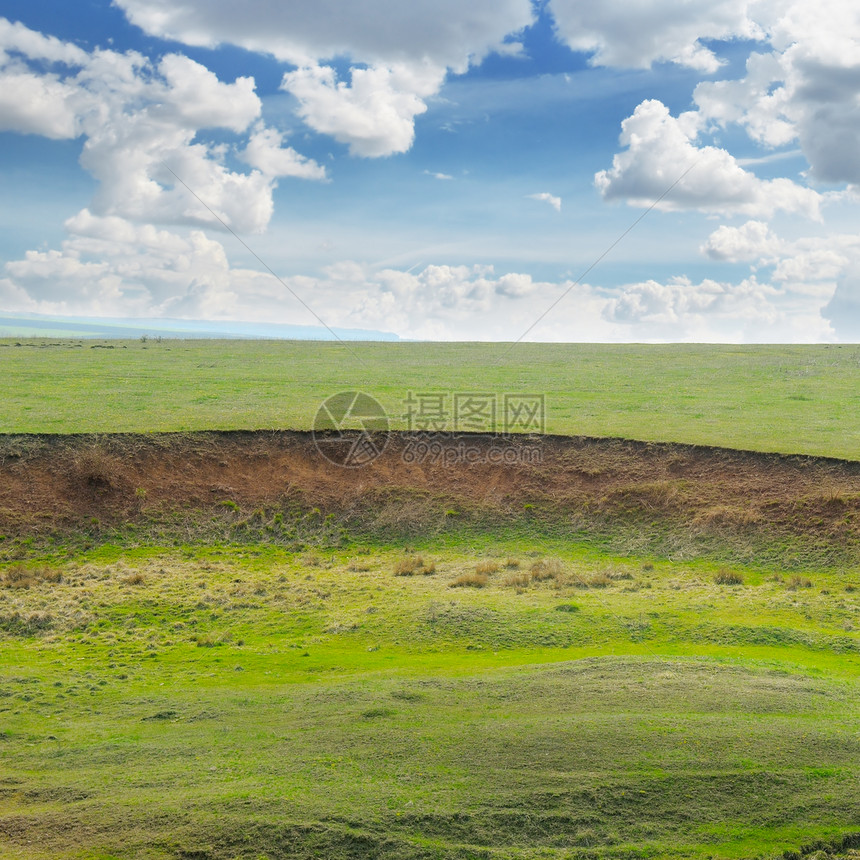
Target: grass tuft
(728, 577)
(470, 580)
(21, 576)
(411, 565)
(487, 567)
(546, 568)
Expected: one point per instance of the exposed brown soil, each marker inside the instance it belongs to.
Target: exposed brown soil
(50, 483)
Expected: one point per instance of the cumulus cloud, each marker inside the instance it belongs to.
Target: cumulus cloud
(751, 241)
(546, 197)
(400, 53)
(809, 264)
(37, 104)
(804, 89)
(661, 148)
(265, 151)
(713, 311)
(193, 97)
(823, 271)
(15, 38)
(637, 34)
(447, 33)
(140, 122)
(374, 114)
(110, 266)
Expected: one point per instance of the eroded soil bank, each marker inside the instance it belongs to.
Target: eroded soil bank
(279, 486)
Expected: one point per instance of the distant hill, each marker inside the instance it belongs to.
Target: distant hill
(38, 325)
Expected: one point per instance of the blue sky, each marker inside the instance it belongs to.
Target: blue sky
(438, 170)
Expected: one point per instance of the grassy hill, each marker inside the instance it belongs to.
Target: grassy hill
(791, 399)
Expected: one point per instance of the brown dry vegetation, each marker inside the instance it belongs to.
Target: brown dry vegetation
(470, 580)
(51, 485)
(487, 567)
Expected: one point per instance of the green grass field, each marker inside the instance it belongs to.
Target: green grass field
(227, 703)
(790, 399)
(495, 690)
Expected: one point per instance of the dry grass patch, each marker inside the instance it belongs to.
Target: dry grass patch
(411, 565)
(356, 566)
(728, 577)
(134, 579)
(546, 568)
(487, 567)
(470, 580)
(95, 469)
(798, 582)
(21, 576)
(512, 564)
(517, 580)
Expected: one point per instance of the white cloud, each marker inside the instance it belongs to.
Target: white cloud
(637, 33)
(447, 33)
(37, 104)
(821, 271)
(15, 37)
(751, 241)
(660, 148)
(193, 97)
(546, 197)
(140, 121)
(400, 53)
(112, 267)
(438, 175)
(712, 311)
(265, 152)
(374, 114)
(804, 90)
(810, 264)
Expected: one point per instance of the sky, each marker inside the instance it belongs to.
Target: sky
(546, 170)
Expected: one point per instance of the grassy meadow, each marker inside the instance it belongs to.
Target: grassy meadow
(488, 701)
(788, 399)
(491, 691)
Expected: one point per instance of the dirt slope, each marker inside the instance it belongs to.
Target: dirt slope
(51, 483)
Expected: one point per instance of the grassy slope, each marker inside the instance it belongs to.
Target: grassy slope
(231, 703)
(793, 399)
(243, 702)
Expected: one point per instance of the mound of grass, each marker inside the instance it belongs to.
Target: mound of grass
(487, 567)
(412, 565)
(728, 577)
(470, 580)
(517, 580)
(406, 719)
(27, 576)
(548, 568)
